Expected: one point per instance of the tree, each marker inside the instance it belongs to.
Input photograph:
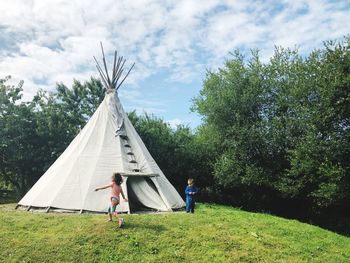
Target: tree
(33, 134)
(177, 151)
(17, 136)
(283, 127)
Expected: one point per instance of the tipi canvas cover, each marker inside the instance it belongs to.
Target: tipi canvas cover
(107, 144)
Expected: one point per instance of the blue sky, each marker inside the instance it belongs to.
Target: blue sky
(173, 43)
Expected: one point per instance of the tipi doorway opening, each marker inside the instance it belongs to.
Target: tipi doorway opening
(143, 195)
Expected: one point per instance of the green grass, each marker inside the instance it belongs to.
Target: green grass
(213, 234)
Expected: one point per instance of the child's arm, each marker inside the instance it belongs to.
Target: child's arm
(191, 190)
(123, 195)
(103, 187)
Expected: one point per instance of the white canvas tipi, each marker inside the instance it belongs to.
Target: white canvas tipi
(107, 144)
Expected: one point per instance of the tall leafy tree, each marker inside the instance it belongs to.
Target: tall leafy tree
(283, 127)
(177, 151)
(17, 136)
(33, 134)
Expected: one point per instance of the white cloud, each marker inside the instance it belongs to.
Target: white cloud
(43, 42)
(175, 122)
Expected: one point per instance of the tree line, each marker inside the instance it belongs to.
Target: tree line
(282, 129)
(274, 136)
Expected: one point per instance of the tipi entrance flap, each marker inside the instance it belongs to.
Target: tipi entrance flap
(143, 194)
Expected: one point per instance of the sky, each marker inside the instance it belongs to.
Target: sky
(173, 43)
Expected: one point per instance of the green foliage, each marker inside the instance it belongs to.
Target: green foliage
(176, 151)
(213, 234)
(33, 134)
(61, 115)
(17, 136)
(284, 126)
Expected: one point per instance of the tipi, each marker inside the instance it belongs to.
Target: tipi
(108, 143)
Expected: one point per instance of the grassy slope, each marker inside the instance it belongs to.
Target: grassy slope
(214, 234)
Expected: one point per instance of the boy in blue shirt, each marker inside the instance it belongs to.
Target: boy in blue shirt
(190, 192)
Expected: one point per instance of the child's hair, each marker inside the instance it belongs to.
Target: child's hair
(117, 178)
(190, 181)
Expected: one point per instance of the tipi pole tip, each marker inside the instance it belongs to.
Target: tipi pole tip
(103, 53)
(127, 74)
(111, 82)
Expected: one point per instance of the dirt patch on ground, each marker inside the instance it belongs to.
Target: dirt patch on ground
(8, 207)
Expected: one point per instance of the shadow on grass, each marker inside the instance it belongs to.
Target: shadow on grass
(339, 225)
(152, 227)
(336, 220)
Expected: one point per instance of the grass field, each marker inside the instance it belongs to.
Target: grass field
(213, 234)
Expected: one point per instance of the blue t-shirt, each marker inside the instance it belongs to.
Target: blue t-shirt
(191, 189)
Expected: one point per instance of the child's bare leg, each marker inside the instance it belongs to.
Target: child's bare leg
(120, 220)
(110, 208)
(116, 215)
(109, 217)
